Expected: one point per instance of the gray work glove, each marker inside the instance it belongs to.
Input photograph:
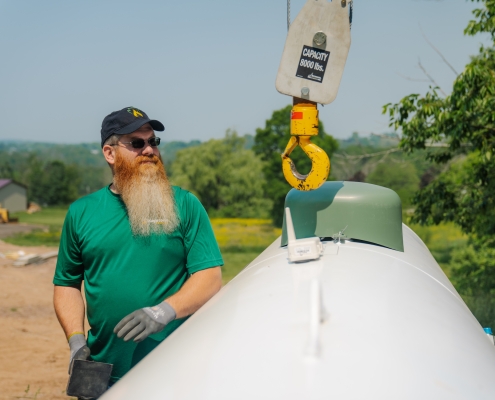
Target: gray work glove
(79, 349)
(144, 322)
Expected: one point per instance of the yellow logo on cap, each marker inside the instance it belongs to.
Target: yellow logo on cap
(134, 111)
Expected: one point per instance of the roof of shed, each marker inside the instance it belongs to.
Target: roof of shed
(5, 182)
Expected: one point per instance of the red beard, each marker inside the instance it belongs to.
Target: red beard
(147, 194)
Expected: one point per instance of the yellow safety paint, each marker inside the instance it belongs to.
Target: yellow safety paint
(304, 120)
(304, 124)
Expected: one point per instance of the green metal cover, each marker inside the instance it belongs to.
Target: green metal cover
(370, 213)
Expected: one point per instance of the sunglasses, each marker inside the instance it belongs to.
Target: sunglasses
(140, 143)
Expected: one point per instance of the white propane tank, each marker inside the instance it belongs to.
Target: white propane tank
(489, 334)
(374, 317)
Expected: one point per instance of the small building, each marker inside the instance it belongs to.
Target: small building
(13, 195)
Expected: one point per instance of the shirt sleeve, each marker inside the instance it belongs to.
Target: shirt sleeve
(202, 250)
(70, 268)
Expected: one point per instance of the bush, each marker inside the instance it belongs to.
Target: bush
(227, 178)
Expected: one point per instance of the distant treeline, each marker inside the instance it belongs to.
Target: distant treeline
(236, 176)
(57, 174)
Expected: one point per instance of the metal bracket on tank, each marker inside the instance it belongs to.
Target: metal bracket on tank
(337, 237)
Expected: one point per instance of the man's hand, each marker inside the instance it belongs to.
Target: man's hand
(79, 349)
(144, 322)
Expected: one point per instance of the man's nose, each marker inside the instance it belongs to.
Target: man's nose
(148, 150)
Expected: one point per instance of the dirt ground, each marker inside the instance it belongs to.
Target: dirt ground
(33, 350)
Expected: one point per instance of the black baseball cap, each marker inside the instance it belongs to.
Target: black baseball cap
(126, 121)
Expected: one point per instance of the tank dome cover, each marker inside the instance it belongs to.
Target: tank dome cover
(366, 212)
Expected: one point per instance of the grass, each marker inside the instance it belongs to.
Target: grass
(37, 237)
(51, 216)
(244, 235)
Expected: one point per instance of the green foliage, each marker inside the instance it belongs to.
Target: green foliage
(225, 176)
(169, 151)
(483, 308)
(457, 196)
(26, 162)
(463, 122)
(462, 125)
(401, 177)
(442, 240)
(373, 142)
(32, 170)
(473, 274)
(92, 178)
(485, 19)
(473, 269)
(270, 143)
(53, 183)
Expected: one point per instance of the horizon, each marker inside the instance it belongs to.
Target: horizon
(362, 136)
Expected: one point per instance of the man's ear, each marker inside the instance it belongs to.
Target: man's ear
(109, 154)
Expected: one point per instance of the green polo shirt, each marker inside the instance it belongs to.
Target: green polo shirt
(123, 273)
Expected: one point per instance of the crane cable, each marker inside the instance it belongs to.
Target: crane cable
(288, 15)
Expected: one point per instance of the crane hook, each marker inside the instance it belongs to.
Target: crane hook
(304, 124)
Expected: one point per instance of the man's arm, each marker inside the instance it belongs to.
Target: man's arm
(196, 291)
(69, 307)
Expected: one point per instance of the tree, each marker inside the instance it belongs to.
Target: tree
(401, 177)
(92, 178)
(34, 179)
(463, 125)
(225, 176)
(270, 142)
(463, 122)
(53, 183)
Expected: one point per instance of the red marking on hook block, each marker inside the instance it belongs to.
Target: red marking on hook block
(297, 115)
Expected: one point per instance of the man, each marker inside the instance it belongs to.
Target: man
(145, 250)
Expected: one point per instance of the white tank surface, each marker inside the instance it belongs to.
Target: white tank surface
(363, 321)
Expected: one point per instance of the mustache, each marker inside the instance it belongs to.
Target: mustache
(147, 158)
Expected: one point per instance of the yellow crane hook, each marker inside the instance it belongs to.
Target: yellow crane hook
(303, 125)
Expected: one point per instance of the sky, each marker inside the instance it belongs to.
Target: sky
(202, 67)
